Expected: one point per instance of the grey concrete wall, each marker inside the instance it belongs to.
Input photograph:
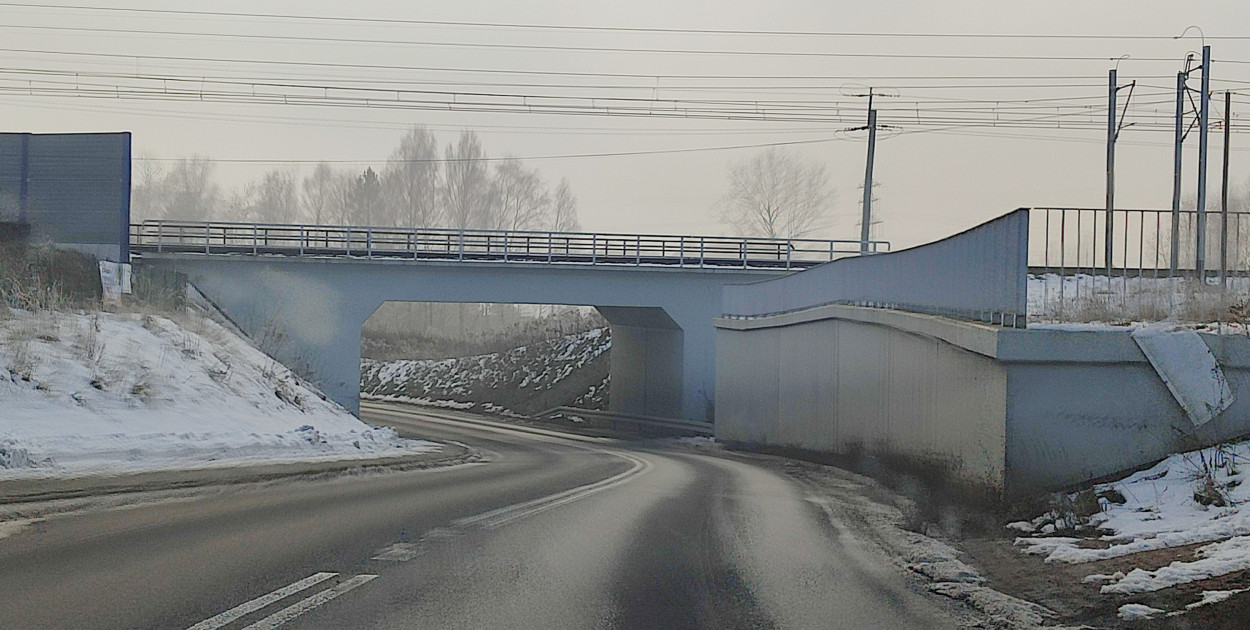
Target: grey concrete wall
(1085, 404)
(840, 385)
(317, 306)
(978, 274)
(1021, 411)
(647, 361)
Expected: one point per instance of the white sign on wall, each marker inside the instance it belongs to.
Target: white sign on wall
(114, 280)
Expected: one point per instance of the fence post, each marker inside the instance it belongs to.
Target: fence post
(255, 239)
(302, 237)
(207, 240)
(594, 248)
(681, 252)
(702, 240)
(461, 244)
(550, 237)
(637, 250)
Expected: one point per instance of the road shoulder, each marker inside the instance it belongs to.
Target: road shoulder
(56, 488)
(860, 509)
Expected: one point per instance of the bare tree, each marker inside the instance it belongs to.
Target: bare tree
(778, 195)
(518, 198)
(148, 191)
(366, 199)
(410, 182)
(274, 198)
(188, 191)
(564, 209)
(466, 187)
(321, 195)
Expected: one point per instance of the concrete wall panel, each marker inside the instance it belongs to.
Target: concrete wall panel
(1078, 417)
(805, 360)
(845, 386)
(976, 274)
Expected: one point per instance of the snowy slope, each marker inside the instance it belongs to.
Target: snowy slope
(523, 380)
(1160, 510)
(120, 392)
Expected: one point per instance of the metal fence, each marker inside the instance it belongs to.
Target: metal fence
(488, 245)
(1146, 265)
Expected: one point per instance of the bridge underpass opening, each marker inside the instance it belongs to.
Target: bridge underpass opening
(523, 358)
(663, 317)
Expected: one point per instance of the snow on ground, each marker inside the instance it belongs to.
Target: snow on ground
(1091, 297)
(1160, 510)
(107, 393)
(1136, 612)
(519, 379)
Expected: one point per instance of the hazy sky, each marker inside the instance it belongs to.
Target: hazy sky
(971, 137)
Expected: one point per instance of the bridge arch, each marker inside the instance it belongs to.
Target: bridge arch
(663, 357)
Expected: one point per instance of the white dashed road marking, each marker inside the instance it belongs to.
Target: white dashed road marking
(504, 515)
(294, 610)
(213, 623)
(399, 552)
(403, 551)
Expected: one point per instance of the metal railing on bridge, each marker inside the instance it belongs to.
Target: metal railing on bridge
(259, 239)
(1146, 265)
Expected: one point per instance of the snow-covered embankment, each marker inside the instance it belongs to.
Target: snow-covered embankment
(569, 370)
(105, 393)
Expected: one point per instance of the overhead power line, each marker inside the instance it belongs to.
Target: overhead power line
(95, 56)
(585, 49)
(566, 156)
(591, 28)
(242, 92)
(199, 83)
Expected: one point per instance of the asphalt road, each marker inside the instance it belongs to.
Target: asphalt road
(550, 532)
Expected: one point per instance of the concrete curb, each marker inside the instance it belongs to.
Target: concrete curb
(29, 490)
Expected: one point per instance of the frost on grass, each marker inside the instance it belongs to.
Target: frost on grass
(1189, 498)
(122, 392)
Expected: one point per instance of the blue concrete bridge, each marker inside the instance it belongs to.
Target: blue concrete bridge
(311, 287)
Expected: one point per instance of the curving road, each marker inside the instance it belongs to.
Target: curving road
(553, 531)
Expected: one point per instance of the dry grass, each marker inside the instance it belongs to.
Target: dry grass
(1185, 300)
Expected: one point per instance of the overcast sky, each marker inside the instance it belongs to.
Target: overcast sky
(943, 166)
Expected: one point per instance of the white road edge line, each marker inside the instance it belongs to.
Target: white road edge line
(485, 425)
(507, 514)
(224, 619)
(294, 610)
